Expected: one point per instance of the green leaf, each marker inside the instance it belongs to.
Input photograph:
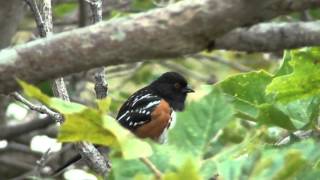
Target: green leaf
(130, 146)
(270, 115)
(247, 92)
(65, 107)
(86, 126)
(57, 104)
(189, 170)
(296, 160)
(303, 82)
(302, 112)
(90, 125)
(165, 157)
(248, 87)
(33, 92)
(104, 104)
(285, 66)
(200, 122)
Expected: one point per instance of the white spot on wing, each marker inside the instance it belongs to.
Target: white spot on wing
(138, 98)
(151, 104)
(123, 115)
(128, 118)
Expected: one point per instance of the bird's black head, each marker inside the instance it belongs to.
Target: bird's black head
(172, 87)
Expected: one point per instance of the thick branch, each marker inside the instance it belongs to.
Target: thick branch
(11, 13)
(179, 29)
(271, 37)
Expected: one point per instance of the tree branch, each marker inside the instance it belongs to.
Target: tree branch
(101, 86)
(39, 108)
(10, 132)
(178, 29)
(271, 37)
(87, 150)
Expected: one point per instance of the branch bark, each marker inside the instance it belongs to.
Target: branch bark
(271, 37)
(11, 13)
(179, 29)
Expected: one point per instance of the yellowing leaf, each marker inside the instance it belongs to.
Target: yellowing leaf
(130, 146)
(33, 92)
(65, 107)
(85, 126)
(104, 104)
(92, 126)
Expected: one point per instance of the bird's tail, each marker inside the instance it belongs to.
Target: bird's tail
(66, 164)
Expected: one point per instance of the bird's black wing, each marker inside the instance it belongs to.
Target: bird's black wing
(137, 110)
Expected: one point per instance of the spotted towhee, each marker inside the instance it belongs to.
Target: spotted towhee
(150, 112)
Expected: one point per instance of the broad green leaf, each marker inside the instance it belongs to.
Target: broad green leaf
(303, 82)
(270, 115)
(57, 104)
(248, 87)
(302, 112)
(248, 96)
(65, 107)
(85, 126)
(285, 67)
(200, 122)
(90, 125)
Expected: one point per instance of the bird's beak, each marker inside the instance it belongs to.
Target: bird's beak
(188, 90)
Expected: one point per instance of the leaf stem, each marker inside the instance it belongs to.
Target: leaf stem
(152, 167)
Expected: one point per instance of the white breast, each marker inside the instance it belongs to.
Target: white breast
(164, 136)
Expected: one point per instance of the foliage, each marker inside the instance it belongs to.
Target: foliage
(213, 136)
(93, 125)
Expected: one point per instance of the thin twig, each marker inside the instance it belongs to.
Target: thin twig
(42, 162)
(39, 108)
(101, 85)
(298, 135)
(37, 15)
(152, 167)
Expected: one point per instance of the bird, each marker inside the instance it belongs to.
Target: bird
(150, 111)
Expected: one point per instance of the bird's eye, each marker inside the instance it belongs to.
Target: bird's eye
(177, 86)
